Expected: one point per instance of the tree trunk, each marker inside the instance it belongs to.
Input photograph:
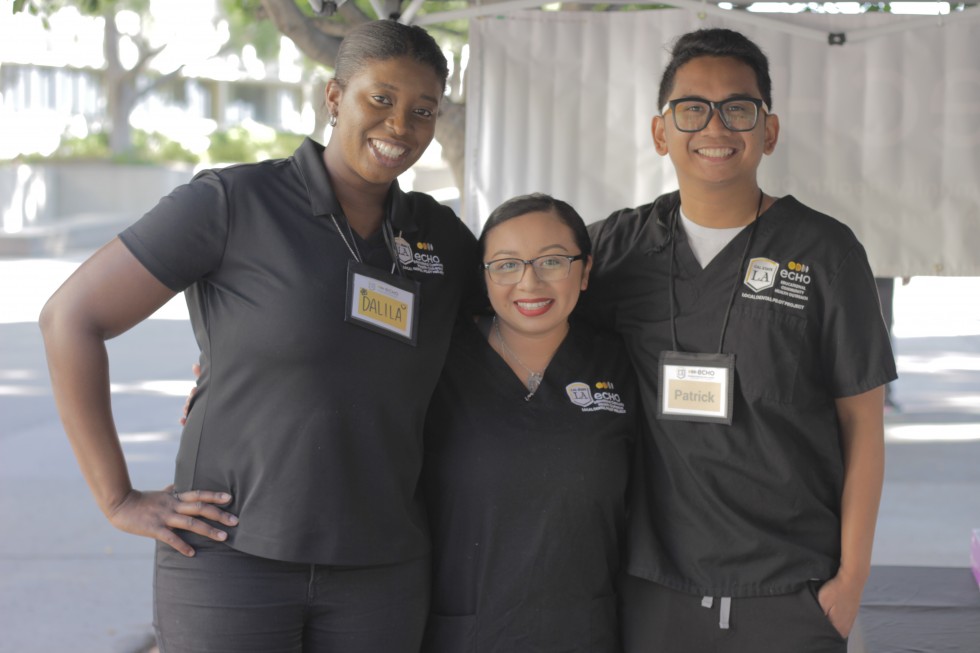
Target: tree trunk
(451, 135)
(302, 31)
(321, 117)
(120, 90)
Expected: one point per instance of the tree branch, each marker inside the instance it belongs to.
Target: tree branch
(352, 14)
(157, 83)
(303, 31)
(146, 54)
(331, 27)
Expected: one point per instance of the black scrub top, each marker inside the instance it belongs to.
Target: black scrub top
(526, 498)
(313, 424)
(750, 509)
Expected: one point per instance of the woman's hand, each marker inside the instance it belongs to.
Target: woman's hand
(160, 514)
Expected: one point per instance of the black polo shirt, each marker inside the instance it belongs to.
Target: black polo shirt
(313, 424)
(753, 508)
(527, 497)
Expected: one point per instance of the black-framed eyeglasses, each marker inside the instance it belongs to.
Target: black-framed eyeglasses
(550, 267)
(692, 114)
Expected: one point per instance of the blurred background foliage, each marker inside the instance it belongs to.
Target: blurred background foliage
(235, 145)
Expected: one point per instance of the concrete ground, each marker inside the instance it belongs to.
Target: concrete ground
(70, 582)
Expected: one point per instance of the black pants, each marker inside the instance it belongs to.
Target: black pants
(656, 619)
(226, 600)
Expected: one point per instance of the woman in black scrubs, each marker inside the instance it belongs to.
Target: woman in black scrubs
(527, 449)
(322, 298)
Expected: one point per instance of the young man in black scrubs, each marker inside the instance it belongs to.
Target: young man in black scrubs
(761, 353)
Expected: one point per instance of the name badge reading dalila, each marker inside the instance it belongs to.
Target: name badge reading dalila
(696, 387)
(382, 302)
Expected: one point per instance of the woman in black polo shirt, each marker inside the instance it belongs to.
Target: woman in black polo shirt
(322, 298)
(528, 443)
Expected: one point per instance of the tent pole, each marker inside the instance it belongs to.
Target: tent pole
(410, 11)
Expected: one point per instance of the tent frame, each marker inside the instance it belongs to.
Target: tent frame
(703, 8)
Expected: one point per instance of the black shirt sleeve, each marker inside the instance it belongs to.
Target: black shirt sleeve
(183, 237)
(856, 345)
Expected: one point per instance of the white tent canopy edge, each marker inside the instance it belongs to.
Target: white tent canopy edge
(881, 133)
(702, 7)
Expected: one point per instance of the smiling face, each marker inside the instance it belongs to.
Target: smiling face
(534, 308)
(715, 157)
(386, 117)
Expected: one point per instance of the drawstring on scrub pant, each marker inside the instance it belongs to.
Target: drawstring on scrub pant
(724, 610)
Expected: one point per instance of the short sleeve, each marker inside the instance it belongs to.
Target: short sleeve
(856, 344)
(595, 305)
(588, 305)
(183, 237)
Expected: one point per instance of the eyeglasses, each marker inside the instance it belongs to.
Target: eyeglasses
(692, 114)
(510, 271)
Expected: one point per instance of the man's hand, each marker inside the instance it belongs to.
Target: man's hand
(840, 599)
(196, 369)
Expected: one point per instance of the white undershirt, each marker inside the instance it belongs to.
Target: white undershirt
(706, 242)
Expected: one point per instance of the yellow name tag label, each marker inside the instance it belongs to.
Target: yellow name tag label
(384, 309)
(382, 302)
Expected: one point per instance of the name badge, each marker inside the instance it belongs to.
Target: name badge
(696, 387)
(382, 302)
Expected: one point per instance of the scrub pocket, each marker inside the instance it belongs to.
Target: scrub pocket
(809, 595)
(604, 625)
(449, 634)
(767, 346)
(580, 625)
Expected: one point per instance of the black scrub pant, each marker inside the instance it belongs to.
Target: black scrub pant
(657, 619)
(225, 600)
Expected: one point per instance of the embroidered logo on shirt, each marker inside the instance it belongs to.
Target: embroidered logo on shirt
(423, 259)
(761, 274)
(796, 273)
(404, 250)
(793, 282)
(603, 398)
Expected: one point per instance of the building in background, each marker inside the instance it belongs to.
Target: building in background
(202, 90)
(53, 80)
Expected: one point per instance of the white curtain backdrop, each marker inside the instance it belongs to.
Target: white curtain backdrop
(882, 133)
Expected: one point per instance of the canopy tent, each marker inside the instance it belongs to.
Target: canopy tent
(882, 132)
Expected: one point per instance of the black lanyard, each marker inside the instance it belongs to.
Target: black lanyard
(389, 235)
(386, 231)
(741, 264)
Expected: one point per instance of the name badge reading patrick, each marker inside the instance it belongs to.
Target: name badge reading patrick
(382, 302)
(696, 387)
